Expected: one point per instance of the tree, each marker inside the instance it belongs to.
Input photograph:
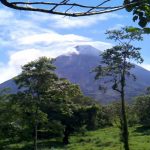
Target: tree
(45, 98)
(8, 119)
(115, 68)
(70, 108)
(115, 109)
(93, 113)
(61, 108)
(142, 109)
(34, 81)
(140, 9)
(5, 118)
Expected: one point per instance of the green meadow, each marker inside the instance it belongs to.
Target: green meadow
(102, 139)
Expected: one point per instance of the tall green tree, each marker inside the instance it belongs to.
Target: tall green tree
(45, 98)
(34, 81)
(115, 67)
(61, 108)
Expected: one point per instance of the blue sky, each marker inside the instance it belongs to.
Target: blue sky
(25, 36)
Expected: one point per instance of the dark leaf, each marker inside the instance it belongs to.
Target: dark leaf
(142, 22)
(135, 18)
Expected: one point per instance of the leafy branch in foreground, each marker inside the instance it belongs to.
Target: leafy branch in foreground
(140, 9)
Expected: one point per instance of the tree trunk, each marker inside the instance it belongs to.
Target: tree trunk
(66, 136)
(36, 124)
(125, 134)
(124, 124)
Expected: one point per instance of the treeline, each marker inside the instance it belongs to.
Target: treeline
(46, 106)
(138, 112)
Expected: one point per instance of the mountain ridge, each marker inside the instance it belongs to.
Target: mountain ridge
(77, 67)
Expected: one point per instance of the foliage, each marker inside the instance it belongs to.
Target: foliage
(141, 11)
(142, 108)
(35, 79)
(47, 102)
(117, 58)
(104, 139)
(115, 68)
(104, 116)
(8, 117)
(115, 114)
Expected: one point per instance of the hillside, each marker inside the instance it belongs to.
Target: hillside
(78, 69)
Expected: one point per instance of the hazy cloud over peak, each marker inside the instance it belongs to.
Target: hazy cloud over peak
(24, 39)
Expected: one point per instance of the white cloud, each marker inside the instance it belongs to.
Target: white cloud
(5, 16)
(49, 38)
(117, 27)
(74, 22)
(21, 57)
(16, 60)
(24, 39)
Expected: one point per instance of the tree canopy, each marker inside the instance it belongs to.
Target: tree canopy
(116, 66)
(46, 102)
(142, 108)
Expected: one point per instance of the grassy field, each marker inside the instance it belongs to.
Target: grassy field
(103, 139)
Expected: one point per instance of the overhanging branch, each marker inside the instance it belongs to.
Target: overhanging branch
(66, 7)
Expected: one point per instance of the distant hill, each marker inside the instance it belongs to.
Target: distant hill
(77, 68)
